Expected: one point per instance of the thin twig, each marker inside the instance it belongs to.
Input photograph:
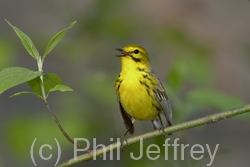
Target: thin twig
(183, 126)
(61, 128)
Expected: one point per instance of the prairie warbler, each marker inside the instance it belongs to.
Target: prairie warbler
(140, 93)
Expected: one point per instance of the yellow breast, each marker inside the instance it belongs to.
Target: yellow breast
(137, 98)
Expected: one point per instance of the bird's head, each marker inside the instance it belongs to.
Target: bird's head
(134, 56)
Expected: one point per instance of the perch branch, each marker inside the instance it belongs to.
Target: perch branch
(179, 127)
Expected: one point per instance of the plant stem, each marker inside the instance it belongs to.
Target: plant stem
(44, 97)
(179, 127)
(61, 128)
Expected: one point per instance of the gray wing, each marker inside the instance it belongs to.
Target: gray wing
(127, 119)
(165, 117)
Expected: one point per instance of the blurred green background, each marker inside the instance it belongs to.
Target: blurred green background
(199, 49)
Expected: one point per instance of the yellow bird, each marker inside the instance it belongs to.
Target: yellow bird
(140, 93)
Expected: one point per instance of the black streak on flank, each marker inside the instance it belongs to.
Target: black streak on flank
(118, 87)
(119, 84)
(157, 108)
(148, 92)
(147, 87)
(144, 83)
(146, 77)
(135, 59)
(140, 69)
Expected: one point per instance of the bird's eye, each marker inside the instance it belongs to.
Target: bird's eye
(136, 51)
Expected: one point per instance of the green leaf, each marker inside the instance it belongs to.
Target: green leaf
(13, 76)
(55, 40)
(35, 85)
(50, 81)
(26, 41)
(60, 87)
(212, 98)
(24, 93)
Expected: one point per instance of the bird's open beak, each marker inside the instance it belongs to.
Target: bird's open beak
(123, 53)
